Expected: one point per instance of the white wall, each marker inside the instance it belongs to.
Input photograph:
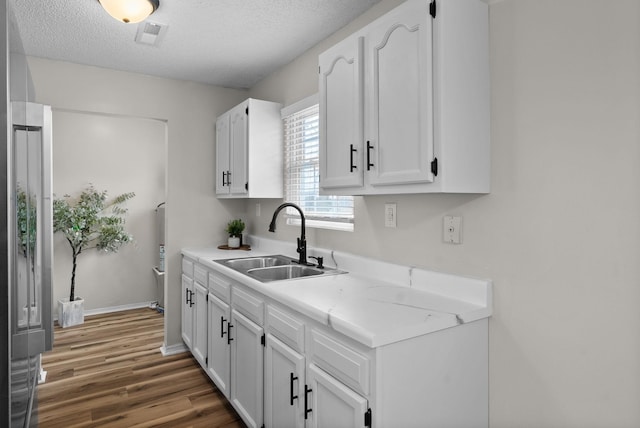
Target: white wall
(118, 154)
(194, 216)
(559, 234)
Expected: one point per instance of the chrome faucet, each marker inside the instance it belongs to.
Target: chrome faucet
(302, 242)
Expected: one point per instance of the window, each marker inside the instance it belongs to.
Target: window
(302, 171)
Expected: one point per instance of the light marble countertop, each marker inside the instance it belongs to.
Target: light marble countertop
(375, 303)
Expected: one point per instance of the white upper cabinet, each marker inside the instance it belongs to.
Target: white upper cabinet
(342, 114)
(399, 113)
(404, 103)
(249, 151)
(223, 154)
(237, 177)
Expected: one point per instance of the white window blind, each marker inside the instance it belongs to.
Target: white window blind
(302, 171)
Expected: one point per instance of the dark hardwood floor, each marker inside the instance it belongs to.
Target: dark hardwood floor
(109, 372)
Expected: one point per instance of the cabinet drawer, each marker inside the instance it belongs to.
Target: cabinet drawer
(285, 327)
(248, 304)
(187, 267)
(200, 275)
(220, 286)
(341, 361)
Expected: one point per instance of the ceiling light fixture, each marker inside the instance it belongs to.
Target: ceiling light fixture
(130, 11)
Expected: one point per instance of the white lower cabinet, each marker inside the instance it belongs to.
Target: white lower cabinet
(199, 339)
(194, 309)
(235, 347)
(284, 385)
(219, 349)
(280, 369)
(298, 393)
(187, 312)
(298, 396)
(246, 368)
(331, 404)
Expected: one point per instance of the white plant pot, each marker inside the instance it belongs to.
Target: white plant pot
(70, 313)
(233, 242)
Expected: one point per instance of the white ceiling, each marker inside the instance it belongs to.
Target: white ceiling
(231, 43)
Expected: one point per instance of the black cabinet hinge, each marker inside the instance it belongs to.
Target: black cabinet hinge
(367, 418)
(263, 340)
(207, 297)
(246, 186)
(246, 111)
(434, 166)
(432, 8)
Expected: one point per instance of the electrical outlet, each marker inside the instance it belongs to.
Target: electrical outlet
(452, 229)
(390, 215)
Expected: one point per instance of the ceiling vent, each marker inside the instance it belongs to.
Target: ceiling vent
(150, 33)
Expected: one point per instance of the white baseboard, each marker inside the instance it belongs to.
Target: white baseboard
(119, 308)
(178, 348)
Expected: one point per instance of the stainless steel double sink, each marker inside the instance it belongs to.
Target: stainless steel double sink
(275, 268)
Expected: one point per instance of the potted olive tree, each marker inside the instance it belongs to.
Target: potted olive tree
(235, 229)
(87, 222)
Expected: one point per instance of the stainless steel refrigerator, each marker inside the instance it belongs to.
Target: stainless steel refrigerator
(30, 245)
(26, 326)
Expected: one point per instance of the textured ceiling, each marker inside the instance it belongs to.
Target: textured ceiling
(231, 43)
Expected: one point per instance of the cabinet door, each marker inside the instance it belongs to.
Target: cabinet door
(341, 115)
(283, 385)
(199, 338)
(219, 350)
(239, 145)
(333, 405)
(187, 312)
(223, 154)
(246, 368)
(399, 104)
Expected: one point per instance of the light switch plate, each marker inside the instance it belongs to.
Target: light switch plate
(390, 215)
(452, 229)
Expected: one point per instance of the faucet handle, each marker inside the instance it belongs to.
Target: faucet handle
(320, 261)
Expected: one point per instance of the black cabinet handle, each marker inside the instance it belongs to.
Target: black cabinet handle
(351, 165)
(229, 339)
(291, 396)
(228, 178)
(190, 298)
(222, 332)
(224, 178)
(307, 410)
(369, 147)
(186, 296)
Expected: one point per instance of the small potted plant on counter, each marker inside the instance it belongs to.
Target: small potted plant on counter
(86, 224)
(235, 229)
